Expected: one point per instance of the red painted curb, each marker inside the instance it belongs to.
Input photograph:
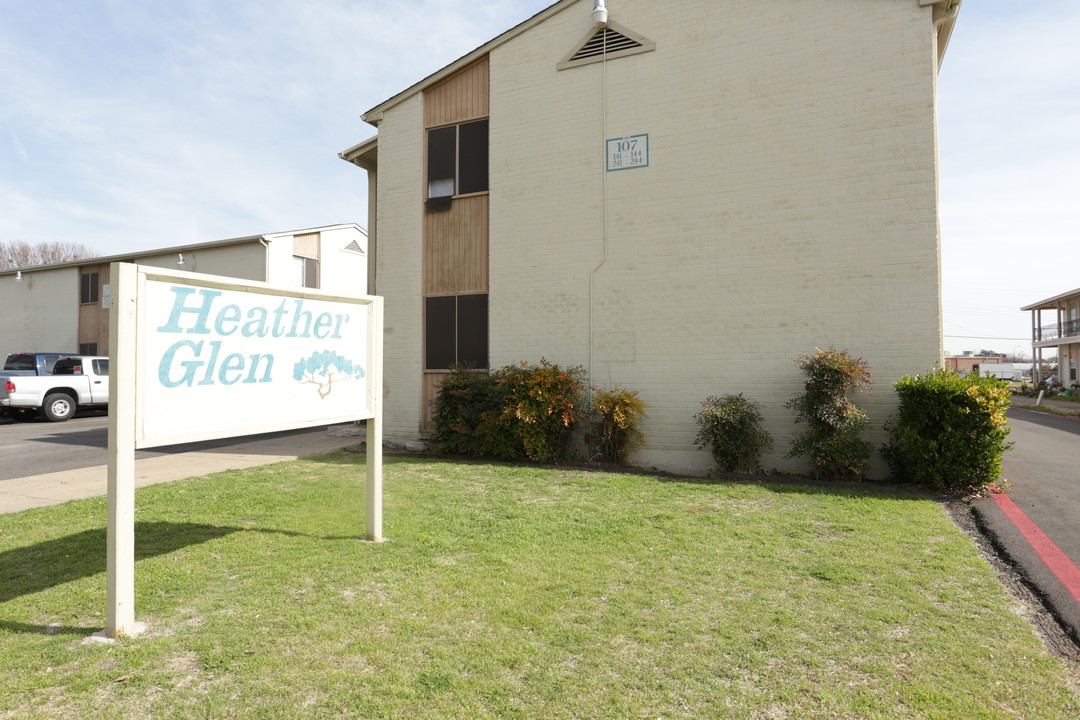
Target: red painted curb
(1058, 562)
(1027, 408)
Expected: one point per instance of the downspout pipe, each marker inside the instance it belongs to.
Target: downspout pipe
(266, 259)
(943, 25)
(600, 18)
(950, 14)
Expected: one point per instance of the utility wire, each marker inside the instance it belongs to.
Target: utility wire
(986, 337)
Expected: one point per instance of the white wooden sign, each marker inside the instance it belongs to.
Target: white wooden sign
(195, 357)
(217, 359)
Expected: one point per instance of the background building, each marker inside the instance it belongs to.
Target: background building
(1055, 326)
(64, 307)
(682, 201)
(969, 361)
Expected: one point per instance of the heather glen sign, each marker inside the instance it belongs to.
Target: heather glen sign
(197, 357)
(258, 357)
(289, 320)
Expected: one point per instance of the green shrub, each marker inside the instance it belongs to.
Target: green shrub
(614, 420)
(466, 414)
(518, 411)
(731, 427)
(950, 431)
(833, 424)
(543, 404)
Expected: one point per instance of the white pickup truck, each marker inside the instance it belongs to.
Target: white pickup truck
(78, 381)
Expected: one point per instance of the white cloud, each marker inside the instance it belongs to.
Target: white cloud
(151, 124)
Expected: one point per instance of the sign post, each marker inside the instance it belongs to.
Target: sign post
(277, 358)
(120, 534)
(374, 427)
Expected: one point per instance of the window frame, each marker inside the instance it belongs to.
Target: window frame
(469, 334)
(89, 288)
(447, 146)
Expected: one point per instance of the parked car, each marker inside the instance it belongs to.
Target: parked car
(24, 363)
(75, 382)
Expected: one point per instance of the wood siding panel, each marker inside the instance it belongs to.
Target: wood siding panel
(433, 380)
(456, 248)
(306, 246)
(460, 98)
(94, 317)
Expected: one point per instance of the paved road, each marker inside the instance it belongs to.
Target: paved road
(1044, 470)
(40, 447)
(30, 454)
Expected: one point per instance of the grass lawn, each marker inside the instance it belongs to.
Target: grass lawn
(510, 592)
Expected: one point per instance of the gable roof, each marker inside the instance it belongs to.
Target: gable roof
(374, 115)
(945, 20)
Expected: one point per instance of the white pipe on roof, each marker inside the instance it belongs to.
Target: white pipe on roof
(599, 14)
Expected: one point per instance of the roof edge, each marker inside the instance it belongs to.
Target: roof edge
(944, 22)
(374, 115)
(359, 154)
(122, 257)
(1049, 303)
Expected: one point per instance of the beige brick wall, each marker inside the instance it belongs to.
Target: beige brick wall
(400, 207)
(790, 203)
(41, 313)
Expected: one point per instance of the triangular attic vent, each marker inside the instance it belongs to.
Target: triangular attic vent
(353, 247)
(612, 41)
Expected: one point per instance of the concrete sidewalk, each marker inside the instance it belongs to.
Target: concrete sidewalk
(54, 488)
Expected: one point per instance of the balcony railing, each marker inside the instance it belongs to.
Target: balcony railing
(1067, 328)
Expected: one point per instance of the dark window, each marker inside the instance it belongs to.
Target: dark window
(19, 362)
(101, 367)
(472, 157)
(440, 338)
(457, 161)
(88, 348)
(68, 366)
(472, 330)
(455, 331)
(50, 362)
(88, 288)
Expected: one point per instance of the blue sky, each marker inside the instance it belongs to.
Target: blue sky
(129, 125)
(1009, 128)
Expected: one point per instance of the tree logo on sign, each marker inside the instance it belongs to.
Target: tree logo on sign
(325, 368)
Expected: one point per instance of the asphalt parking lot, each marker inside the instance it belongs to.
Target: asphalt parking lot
(1036, 523)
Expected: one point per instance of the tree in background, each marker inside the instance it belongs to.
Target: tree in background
(20, 254)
